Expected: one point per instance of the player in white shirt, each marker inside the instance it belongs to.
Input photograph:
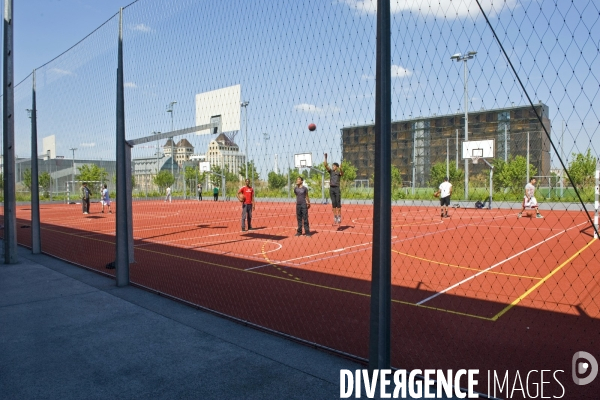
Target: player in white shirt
(529, 200)
(445, 191)
(105, 199)
(168, 196)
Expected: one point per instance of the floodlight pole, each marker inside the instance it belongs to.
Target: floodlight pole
(245, 105)
(73, 150)
(465, 58)
(170, 110)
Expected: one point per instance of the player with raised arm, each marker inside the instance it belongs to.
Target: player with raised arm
(246, 196)
(529, 200)
(335, 175)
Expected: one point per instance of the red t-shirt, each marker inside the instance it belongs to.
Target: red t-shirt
(248, 193)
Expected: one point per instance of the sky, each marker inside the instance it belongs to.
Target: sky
(297, 61)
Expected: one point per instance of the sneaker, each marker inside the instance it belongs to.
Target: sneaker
(339, 219)
(243, 230)
(539, 216)
(110, 212)
(102, 212)
(86, 212)
(298, 234)
(308, 235)
(446, 215)
(519, 215)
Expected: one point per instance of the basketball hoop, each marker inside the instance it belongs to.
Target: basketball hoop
(475, 159)
(476, 154)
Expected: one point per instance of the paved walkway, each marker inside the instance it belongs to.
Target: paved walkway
(69, 333)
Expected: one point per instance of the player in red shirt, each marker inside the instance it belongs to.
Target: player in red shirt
(246, 196)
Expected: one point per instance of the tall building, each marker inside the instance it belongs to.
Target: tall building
(420, 143)
(183, 150)
(223, 152)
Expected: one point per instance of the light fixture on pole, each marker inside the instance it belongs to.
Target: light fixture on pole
(157, 153)
(460, 57)
(170, 110)
(245, 105)
(73, 180)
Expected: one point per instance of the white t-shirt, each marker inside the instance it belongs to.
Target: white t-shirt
(168, 191)
(445, 188)
(529, 190)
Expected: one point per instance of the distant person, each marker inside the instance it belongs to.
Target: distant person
(335, 173)
(85, 193)
(216, 193)
(105, 199)
(529, 199)
(168, 196)
(302, 206)
(247, 204)
(444, 191)
(199, 188)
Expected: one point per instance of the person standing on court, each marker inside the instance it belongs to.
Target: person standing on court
(335, 173)
(105, 199)
(302, 206)
(247, 204)
(216, 193)
(168, 196)
(444, 191)
(529, 199)
(199, 192)
(85, 193)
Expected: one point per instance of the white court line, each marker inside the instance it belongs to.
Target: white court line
(498, 264)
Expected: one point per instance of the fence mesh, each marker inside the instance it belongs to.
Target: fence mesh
(486, 281)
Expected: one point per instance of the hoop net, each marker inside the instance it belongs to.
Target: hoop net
(475, 159)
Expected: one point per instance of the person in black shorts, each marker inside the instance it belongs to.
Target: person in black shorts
(302, 206)
(444, 191)
(335, 174)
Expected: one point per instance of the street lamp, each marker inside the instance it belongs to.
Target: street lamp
(170, 110)
(73, 150)
(245, 105)
(460, 57)
(267, 137)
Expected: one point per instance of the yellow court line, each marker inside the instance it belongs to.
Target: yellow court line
(296, 280)
(468, 268)
(544, 279)
(264, 253)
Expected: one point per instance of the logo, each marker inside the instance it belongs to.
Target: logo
(580, 367)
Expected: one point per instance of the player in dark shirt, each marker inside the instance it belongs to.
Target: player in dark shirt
(335, 174)
(302, 206)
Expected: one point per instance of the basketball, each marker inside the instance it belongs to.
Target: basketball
(241, 197)
(436, 194)
(312, 127)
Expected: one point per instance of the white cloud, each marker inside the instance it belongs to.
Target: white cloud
(367, 77)
(438, 8)
(141, 28)
(399, 72)
(130, 85)
(88, 144)
(61, 71)
(311, 108)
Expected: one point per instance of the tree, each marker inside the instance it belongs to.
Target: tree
(276, 181)
(191, 175)
(45, 180)
(164, 179)
(349, 173)
(251, 171)
(438, 173)
(582, 170)
(27, 179)
(513, 174)
(215, 180)
(91, 173)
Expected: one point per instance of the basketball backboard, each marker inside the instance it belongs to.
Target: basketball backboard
(223, 103)
(204, 166)
(303, 160)
(478, 148)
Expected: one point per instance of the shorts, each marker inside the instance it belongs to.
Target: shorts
(105, 202)
(336, 196)
(445, 201)
(532, 202)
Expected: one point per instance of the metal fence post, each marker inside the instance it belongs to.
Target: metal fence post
(380, 330)
(8, 124)
(123, 211)
(36, 243)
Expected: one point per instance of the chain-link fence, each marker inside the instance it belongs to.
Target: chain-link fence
(218, 94)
